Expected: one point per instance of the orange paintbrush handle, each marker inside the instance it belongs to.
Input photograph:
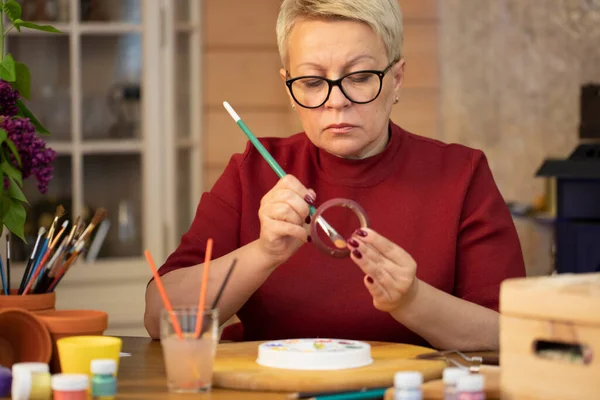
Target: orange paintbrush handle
(203, 288)
(163, 294)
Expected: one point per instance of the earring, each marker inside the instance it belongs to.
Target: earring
(293, 106)
(396, 100)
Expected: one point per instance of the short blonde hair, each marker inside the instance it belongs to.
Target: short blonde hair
(383, 16)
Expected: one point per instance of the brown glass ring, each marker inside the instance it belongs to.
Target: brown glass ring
(354, 207)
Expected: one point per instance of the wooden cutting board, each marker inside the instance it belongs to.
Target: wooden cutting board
(236, 368)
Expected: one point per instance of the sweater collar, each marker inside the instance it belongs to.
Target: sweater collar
(363, 172)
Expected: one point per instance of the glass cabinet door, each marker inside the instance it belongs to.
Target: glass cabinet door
(110, 139)
(136, 155)
(182, 86)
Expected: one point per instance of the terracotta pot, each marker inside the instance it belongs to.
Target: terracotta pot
(64, 323)
(30, 302)
(23, 338)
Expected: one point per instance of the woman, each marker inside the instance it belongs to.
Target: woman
(440, 241)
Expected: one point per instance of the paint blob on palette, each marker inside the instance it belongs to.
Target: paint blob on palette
(314, 354)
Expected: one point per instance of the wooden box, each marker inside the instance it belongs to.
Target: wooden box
(550, 337)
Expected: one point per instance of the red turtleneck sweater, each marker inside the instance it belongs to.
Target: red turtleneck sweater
(437, 201)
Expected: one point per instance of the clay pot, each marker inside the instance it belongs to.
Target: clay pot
(64, 323)
(23, 338)
(30, 302)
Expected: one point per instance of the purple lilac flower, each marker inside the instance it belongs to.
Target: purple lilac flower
(8, 99)
(36, 158)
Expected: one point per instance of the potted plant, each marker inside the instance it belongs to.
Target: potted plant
(23, 152)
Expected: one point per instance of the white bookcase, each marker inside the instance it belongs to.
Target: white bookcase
(120, 91)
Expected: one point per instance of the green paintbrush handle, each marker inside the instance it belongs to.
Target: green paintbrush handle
(261, 149)
(266, 155)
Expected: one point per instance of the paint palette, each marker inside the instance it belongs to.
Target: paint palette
(314, 354)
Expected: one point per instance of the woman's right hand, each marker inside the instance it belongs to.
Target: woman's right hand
(283, 214)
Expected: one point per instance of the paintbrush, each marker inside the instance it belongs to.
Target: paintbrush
(3, 278)
(73, 230)
(32, 257)
(219, 293)
(60, 211)
(8, 263)
(65, 267)
(47, 248)
(98, 217)
(222, 288)
(335, 237)
(56, 259)
(55, 240)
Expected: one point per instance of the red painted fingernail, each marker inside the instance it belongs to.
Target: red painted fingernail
(360, 232)
(369, 279)
(356, 253)
(308, 238)
(352, 242)
(307, 220)
(309, 199)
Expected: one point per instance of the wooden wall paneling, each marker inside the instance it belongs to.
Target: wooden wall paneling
(419, 9)
(227, 138)
(418, 111)
(421, 55)
(243, 78)
(240, 24)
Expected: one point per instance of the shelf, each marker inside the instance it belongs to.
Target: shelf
(126, 269)
(184, 27)
(107, 28)
(125, 146)
(63, 27)
(185, 143)
(87, 28)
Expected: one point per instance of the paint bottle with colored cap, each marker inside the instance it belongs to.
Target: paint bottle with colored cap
(407, 385)
(471, 387)
(5, 381)
(104, 381)
(70, 386)
(31, 381)
(449, 377)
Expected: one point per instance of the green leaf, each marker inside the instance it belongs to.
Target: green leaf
(3, 135)
(31, 25)
(25, 112)
(7, 69)
(22, 82)
(15, 192)
(12, 172)
(5, 203)
(12, 9)
(15, 218)
(13, 150)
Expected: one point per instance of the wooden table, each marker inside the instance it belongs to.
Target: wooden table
(142, 376)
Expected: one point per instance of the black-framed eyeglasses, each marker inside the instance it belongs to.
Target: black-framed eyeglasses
(359, 87)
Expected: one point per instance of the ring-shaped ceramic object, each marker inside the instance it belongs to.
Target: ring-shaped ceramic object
(314, 225)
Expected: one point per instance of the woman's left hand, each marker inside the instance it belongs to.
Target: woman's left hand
(390, 270)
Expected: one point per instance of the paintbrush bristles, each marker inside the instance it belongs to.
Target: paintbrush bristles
(73, 230)
(99, 216)
(60, 211)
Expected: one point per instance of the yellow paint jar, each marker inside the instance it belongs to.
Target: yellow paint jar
(31, 381)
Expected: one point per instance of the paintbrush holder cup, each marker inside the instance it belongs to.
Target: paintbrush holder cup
(23, 338)
(29, 302)
(65, 323)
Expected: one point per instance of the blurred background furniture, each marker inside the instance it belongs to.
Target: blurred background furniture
(116, 89)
